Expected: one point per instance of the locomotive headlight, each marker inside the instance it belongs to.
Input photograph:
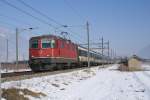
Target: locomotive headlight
(47, 55)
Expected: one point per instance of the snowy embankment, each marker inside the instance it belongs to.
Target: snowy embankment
(146, 66)
(11, 70)
(90, 84)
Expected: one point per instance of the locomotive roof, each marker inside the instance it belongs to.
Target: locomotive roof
(50, 36)
(45, 36)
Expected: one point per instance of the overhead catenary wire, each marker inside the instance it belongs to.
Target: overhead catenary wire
(11, 25)
(76, 34)
(46, 16)
(14, 19)
(27, 13)
(8, 24)
(39, 12)
(73, 9)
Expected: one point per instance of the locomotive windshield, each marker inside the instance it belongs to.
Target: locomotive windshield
(48, 43)
(34, 44)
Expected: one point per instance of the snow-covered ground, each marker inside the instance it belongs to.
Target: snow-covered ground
(17, 70)
(146, 66)
(93, 84)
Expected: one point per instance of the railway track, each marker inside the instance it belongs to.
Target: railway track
(14, 76)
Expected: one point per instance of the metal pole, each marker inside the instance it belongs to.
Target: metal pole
(102, 50)
(7, 50)
(87, 24)
(0, 78)
(108, 53)
(108, 48)
(112, 53)
(6, 53)
(102, 45)
(17, 33)
(16, 47)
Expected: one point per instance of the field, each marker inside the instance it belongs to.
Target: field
(88, 84)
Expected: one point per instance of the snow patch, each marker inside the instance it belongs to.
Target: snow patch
(89, 84)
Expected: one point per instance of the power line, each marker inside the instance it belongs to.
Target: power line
(12, 25)
(76, 34)
(39, 12)
(88, 38)
(75, 26)
(13, 19)
(27, 13)
(44, 15)
(73, 9)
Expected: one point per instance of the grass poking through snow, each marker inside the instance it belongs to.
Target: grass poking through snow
(19, 94)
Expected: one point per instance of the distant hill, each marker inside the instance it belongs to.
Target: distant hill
(145, 52)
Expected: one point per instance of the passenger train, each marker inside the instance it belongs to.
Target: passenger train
(50, 52)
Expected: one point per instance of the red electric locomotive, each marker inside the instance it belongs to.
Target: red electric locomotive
(49, 52)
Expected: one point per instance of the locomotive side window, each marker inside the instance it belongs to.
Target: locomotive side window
(34, 44)
(48, 43)
(53, 43)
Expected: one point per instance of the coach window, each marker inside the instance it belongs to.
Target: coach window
(34, 44)
(48, 43)
(84, 53)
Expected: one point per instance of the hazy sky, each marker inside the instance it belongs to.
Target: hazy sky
(125, 23)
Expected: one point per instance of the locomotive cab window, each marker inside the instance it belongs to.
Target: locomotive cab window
(48, 43)
(34, 44)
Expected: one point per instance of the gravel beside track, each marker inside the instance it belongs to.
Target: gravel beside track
(30, 74)
(12, 74)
